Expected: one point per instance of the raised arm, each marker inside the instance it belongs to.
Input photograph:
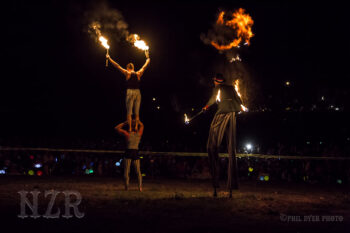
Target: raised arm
(141, 127)
(120, 130)
(115, 64)
(140, 72)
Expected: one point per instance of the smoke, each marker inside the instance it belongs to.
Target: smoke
(103, 20)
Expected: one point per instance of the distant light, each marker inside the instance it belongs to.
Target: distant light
(30, 172)
(31, 157)
(250, 169)
(117, 164)
(141, 157)
(266, 178)
(84, 167)
(2, 172)
(322, 98)
(38, 165)
(287, 83)
(56, 159)
(39, 173)
(321, 143)
(339, 181)
(261, 178)
(308, 142)
(89, 171)
(154, 99)
(336, 109)
(158, 107)
(248, 146)
(143, 174)
(331, 106)
(192, 109)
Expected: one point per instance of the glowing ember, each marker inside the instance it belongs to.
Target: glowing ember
(244, 108)
(241, 23)
(139, 43)
(104, 42)
(187, 121)
(218, 99)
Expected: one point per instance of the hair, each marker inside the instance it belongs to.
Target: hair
(130, 66)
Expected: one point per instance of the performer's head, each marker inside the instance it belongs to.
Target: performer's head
(218, 79)
(130, 67)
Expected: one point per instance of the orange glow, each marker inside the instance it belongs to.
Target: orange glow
(241, 23)
(104, 42)
(139, 43)
(244, 108)
(218, 96)
(186, 119)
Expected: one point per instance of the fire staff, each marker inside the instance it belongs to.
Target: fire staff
(224, 122)
(133, 94)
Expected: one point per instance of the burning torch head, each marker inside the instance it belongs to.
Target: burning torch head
(130, 67)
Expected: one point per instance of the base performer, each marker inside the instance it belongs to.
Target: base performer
(132, 148)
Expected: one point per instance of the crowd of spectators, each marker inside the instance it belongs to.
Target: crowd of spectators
(168, 166)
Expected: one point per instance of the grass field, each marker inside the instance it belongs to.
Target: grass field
(178, 206)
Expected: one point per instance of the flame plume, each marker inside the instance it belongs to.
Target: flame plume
(244, 108)
(139, 43)
(218, 96)
(187, 121)
(241, 23)
(104, 42)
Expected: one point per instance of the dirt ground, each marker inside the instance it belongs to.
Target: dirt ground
(178, 206)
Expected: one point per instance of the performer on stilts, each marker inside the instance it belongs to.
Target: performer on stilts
(133, 94)
(224, 122)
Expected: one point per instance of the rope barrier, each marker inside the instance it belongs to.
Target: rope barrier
(184, 154)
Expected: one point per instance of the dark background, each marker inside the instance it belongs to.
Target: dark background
(54, 85)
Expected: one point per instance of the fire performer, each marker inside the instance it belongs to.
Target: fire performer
(131, 154)
(224, 122)
(133, 94)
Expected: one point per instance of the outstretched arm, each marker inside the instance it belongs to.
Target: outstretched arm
(120, 130)
(115, 64)
(140, 72)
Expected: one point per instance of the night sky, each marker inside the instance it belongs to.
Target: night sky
(54, 80)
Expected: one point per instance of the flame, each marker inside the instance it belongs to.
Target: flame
(244, 108)
(218, 96)
(242, 24)
(187, 121)
(104, 42)
(237, 58)
(139, 43)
